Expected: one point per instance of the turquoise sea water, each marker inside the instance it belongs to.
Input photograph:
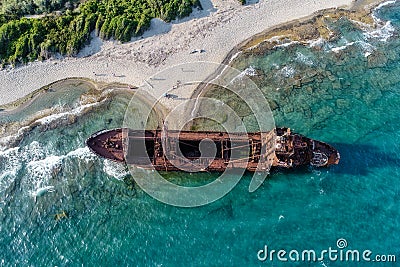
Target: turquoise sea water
(351, 100)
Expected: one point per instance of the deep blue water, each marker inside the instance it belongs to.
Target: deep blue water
(352, 102)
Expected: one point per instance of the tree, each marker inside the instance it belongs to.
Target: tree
(23, 39)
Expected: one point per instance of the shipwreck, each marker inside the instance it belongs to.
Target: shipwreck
(169, 150)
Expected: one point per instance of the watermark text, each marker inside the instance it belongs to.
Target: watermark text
(338, 253)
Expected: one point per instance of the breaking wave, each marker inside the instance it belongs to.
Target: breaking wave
(40, 164)
(385, 30)
(382, 33)
(47, 122)
(115, 170)
(65, 115)
(10, 164)
(41, 171)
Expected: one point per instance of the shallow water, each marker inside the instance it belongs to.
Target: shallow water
(349, 102)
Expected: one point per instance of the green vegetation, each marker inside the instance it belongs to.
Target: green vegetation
(26, 39)
(18, 8)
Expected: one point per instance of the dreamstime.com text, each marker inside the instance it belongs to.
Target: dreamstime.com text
(331, 254)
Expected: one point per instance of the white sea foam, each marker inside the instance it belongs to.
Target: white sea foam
(13, 159)
(116, 170)
(10, 164)
(64, 115)
(7, 141)
(287, 44)
(385, 29)
(53, 119)
(42, 190)
(318, 42)
(250, 71)
(82, 153)
(287, 72)
(276, 38)
(340, 48)
(34, 152)
(42, 167)
(254, 46)
(385, 4)
(234, 56)
(275, 66)
(42, 170)
(8, 152)
(367, 48)
(300, 57)
(383, 33)
(281, 41)
(363, 25)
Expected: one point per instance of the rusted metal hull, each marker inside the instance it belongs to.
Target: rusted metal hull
(211, 151)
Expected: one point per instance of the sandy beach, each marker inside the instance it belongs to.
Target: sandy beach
(215, 31)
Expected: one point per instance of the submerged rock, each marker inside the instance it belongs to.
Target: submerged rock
(376, 60)
(336, 85)
(342, 103)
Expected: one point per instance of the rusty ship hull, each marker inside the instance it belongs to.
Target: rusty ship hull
(211, 151)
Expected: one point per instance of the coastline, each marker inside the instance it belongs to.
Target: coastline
(293, 31)
(220, 28)
(99, 86)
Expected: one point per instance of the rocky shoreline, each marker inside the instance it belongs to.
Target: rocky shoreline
(309, 30)
(221, 25)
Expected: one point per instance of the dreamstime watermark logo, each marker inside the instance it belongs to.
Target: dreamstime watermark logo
(338, 253)
(224, 100)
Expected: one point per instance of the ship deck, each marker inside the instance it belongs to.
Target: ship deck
(211, 151)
